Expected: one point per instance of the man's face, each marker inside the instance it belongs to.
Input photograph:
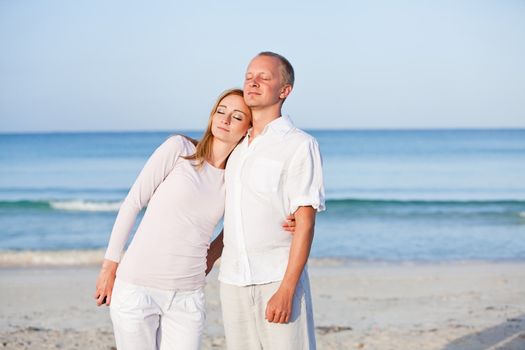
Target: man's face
(263, 85)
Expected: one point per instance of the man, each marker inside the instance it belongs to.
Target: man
(274, 172)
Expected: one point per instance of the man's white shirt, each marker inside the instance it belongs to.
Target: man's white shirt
(266, 180)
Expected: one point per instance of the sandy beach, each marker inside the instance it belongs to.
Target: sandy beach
(357, 306)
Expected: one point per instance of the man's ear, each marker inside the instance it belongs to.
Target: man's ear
(285, 91)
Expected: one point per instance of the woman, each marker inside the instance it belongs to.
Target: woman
(157, 299)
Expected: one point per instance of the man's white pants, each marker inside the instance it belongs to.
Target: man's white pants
(154, 319)
(245, 326)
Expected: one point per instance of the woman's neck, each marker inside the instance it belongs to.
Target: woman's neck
(219, 153)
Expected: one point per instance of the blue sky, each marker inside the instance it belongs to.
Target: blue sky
(158, 65)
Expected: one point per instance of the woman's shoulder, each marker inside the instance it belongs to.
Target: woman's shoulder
(181, 143)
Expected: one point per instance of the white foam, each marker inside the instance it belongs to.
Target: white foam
(51, 258)
(522, 214)
(81, 205)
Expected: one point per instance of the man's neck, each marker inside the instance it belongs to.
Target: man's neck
(261, 118)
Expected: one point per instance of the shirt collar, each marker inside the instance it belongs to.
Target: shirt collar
(278, 126)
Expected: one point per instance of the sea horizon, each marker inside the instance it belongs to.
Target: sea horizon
(345, 129)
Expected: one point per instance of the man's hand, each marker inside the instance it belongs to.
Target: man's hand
(289, 224)
(214, 252)
(210, 261)
(105, 282)
(279, 307)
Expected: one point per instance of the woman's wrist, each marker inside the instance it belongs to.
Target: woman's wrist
(109, 265)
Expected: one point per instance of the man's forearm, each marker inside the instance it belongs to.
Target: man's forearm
(279, 307)
(300, 248)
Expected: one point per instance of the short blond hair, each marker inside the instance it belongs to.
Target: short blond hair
(287, 72)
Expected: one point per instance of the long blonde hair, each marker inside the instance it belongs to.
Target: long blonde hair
(203, 149)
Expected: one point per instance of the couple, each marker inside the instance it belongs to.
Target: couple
(157, 299)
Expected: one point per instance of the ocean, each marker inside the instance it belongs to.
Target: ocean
(392, 195)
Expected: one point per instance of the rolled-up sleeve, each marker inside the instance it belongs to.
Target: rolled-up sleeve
(304, 182)
(157, 168)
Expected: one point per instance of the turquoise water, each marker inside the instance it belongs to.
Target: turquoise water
(438, 195)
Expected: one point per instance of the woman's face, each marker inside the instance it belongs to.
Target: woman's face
(231, 119)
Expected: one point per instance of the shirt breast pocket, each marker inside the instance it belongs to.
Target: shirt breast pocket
(266, 175)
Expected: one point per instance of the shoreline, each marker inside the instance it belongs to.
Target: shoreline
(94, 257)
(448, 306)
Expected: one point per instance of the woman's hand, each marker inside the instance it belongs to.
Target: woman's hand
(289, 224)
(105, 281)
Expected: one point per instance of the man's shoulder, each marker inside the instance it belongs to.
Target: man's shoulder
(300, 136)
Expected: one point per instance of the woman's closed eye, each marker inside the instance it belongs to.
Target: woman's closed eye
(238, 116)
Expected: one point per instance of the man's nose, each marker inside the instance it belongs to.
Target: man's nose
(254, 82)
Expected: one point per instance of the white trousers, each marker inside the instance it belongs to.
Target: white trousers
(154, 319)
(245, 326)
